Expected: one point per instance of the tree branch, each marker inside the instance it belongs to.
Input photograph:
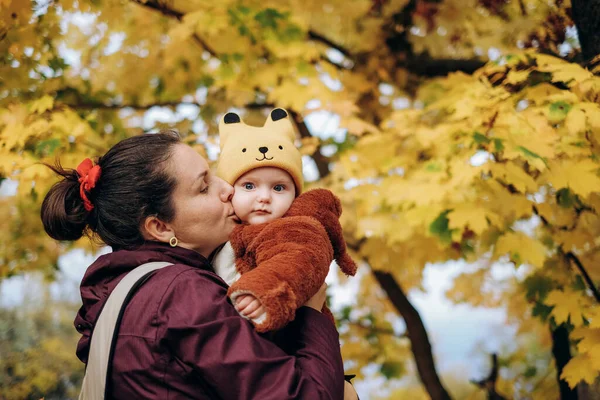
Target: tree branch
(140, 107)
(586, 15)
(162, 8)
(417, 334)
(572, 257)
(168, 12)
(562, 355)
(144, 107)
(523, 8)
(489, 383)
(317, 37)
(320, 160)
(425, 66)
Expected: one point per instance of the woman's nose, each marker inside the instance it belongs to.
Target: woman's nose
(226, 192)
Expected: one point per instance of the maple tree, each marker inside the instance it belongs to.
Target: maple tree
(471, 130)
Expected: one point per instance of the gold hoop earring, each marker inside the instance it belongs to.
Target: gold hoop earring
(173, 242)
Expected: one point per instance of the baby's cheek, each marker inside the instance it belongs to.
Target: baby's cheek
(240, 206)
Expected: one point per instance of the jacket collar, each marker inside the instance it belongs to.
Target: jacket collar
(112, 265)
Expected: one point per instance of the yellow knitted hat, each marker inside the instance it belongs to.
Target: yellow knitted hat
(245, 147)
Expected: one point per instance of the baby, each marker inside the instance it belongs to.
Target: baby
(279, 257)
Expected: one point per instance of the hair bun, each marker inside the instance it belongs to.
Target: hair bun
(63, 213)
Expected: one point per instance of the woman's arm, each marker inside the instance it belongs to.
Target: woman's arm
(203, 330)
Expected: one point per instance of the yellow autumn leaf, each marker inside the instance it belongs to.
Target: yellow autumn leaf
(309, 145)
(42, 104)
(521, 248)
(515, 77)
(468, 216)
(557, 215)
(590, 345)
(374, 226)
(562, 71)
(566, 304)
(512, 174)
(357, 126)
(576, 121)
(593, 316)
(578, 369)
(589, 90)
(577, 175)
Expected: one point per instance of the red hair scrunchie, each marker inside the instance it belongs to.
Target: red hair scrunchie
(88, 176)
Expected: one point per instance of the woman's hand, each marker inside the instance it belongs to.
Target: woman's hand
(349, 391)
(249, 306)
(318, 300)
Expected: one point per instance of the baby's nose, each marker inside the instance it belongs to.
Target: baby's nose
(263, 149)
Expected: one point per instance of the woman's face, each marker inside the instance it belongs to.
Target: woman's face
(204, 216)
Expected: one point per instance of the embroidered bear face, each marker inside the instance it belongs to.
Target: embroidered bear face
(245, 147)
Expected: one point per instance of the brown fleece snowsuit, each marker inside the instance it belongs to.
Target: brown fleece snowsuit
(283, 263)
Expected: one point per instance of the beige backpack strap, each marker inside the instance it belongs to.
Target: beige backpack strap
(94, 381)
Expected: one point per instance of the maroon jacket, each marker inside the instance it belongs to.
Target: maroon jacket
(180, 337)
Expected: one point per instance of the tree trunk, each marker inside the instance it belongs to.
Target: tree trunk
(561, 351)
(586, 15)
(320, 160)
(417, 334)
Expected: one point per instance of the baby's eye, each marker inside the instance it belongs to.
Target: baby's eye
(248, 186)
(279, 188)
(205, 190)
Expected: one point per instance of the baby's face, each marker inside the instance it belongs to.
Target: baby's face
(262, 195)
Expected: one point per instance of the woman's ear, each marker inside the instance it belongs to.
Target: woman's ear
(155, 229)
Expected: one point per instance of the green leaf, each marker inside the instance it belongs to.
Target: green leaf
(538, 286)
(47, 147)
(480, 138)
(530, 372)
(57, 63)
(345, 313)
(206, 81)
(439, 227)
(530, 153)
(565, 198)
(392, 369)
(433, 166)
(244, 10)
(498, 145)
(579, 284)
(291, 33)
(558, 111)
(541, 310)
(268, 18)
(160, 87)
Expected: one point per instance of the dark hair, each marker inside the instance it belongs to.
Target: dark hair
(133, 185)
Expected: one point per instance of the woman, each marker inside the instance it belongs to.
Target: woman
(152, 198)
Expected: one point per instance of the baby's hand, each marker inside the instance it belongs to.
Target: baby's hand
(249, 306)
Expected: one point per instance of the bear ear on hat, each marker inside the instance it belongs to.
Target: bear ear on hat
(280, 120)
(229, 123)
(278, 113)
(231, 118)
